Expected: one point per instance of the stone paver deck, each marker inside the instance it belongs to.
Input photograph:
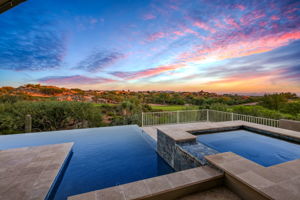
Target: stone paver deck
(28, 173)
(280, 181)
(159, 187)
(217, 193)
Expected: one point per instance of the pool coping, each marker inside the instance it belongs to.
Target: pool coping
(281, 181)
(183, 132)
(32, 172)
(53, 189)
(160, 187)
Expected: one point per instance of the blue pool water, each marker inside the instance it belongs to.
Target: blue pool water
(102, 157)
(264, 150)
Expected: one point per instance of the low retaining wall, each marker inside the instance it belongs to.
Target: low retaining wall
(289, 124)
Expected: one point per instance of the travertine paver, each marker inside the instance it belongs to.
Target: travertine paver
(218, 193)
(280, 181)
(158, 184)
(113, 193)
(28, 173)
(153, 186)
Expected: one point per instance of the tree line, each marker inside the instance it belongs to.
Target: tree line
(48, 115)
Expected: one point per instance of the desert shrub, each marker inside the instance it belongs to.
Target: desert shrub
(219, 106)
(260, 111)
(292, 108)
(48, 116)
(11, 98)
(50, 90)
(274, 101)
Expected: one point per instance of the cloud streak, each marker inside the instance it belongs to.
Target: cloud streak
(75, 79)
(99, 60)
(156, 36)
(149, 16)
(204, 26)
(256, 69)
(147, 72)
(183, 44)
(29, 43)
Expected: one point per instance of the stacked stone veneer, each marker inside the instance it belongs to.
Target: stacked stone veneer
(198, 151)
(166, 147)
(182, 153)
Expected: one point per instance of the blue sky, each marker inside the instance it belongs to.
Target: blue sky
(185, 45)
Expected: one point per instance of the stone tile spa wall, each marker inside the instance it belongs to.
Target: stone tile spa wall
(171, 151)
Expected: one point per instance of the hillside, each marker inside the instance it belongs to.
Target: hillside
(42, 92)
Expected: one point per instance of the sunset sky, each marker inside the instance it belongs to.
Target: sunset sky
(250, 46)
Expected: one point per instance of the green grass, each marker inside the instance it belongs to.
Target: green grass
(103, 104)
(173, 107)
(159, 107)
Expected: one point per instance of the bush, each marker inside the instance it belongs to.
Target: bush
(257, 111)
(10, 98)
(48, 116)
(50, 90)
(273, 101)
(260, 111)
(219, 106)
(292, 108)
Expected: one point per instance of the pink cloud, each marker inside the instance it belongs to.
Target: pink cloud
(252, 17)
(173, 7)
(233, 48)
(156, 36)
(274, 17)
(291, 10)
(264, 23)
(231, 22)
(149, 16)
(292, 17)
(183, 31)
(219, 24)
(147, 72)
(178, 33)
(240, 6)
(255, 77)
(204, 26)
(257, 14)
(188, 30)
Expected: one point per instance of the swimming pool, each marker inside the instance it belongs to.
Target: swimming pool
(102, 157)
(264, 150)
